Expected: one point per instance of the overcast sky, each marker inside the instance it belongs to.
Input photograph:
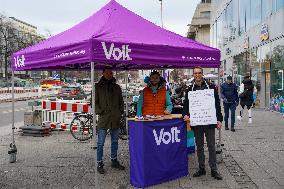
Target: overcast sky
(56, 16)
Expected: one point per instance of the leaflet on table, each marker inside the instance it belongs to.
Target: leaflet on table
(202, 107)
(149, 117)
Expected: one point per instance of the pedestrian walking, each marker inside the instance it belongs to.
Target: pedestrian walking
(155, 99)
(109, 106)
(246, 97)
(209, 130)
(229, 94)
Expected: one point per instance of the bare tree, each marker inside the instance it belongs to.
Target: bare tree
(13, 39)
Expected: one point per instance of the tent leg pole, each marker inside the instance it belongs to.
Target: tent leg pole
(13, 149)
(219, 89)
(94, 119)
(13, 108)
(126, 109)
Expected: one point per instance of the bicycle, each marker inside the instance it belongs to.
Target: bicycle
(81, 127)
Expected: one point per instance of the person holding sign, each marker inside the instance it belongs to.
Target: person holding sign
(202, 108)
(155, 99)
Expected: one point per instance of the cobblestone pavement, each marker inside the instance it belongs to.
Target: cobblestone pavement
(253, 158)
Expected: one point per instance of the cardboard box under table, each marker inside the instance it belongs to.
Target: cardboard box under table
(158, 150)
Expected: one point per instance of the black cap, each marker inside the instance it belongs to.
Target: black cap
(229, 78)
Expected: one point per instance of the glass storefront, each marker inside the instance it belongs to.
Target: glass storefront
(277, 73)
(240, 16)
(265, 63)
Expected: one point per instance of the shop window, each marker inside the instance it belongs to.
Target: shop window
(277, 76)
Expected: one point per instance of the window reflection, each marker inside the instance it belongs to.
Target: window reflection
(265, 9)
(278, 4)
(255, 15)
(244, 16)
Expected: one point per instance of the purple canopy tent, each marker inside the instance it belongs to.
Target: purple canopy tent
(117, 37)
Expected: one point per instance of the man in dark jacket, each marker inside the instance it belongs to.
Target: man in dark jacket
(229, 94)
(246, 97)
(209, 130)
(109, 106)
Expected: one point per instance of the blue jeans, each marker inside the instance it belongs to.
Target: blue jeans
(232, 107)
(101, 141)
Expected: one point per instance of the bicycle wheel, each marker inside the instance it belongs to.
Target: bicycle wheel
(81, 127)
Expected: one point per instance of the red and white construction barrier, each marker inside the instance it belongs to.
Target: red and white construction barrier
(24, 94)
(65, 106)
(59, 114)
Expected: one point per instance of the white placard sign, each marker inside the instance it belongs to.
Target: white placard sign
(202, 107)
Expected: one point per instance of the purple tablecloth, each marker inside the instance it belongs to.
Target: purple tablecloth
(158, 151)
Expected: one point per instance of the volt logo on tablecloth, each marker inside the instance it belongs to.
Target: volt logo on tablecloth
(116, 52)
(167, 137)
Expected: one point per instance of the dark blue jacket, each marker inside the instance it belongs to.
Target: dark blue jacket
(229, 93)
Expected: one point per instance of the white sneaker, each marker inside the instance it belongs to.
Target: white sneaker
(239, 118)
(250, 121)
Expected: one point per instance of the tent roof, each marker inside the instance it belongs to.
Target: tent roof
(118, 37)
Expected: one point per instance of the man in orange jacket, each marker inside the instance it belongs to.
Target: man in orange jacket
(155, 99)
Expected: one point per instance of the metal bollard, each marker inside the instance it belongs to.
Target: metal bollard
(12, 153)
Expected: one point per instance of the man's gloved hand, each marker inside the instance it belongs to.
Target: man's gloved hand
(225, 100)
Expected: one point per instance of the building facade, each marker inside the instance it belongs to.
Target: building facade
(250, 35)
(18, 35)
(199, 28)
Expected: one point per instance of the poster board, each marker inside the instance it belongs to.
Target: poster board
(202, 107)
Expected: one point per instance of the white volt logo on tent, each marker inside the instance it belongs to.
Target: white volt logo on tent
(19, 61)
(116, 52)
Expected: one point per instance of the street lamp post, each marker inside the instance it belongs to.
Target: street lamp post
(162, 24)
(161, 1)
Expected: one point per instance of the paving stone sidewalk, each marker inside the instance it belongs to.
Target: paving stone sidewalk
(253, 158)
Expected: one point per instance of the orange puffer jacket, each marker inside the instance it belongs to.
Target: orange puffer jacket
(154, 104)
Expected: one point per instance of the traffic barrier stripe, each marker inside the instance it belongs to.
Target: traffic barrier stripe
(65, 106)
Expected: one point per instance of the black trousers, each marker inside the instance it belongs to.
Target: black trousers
(209, 132)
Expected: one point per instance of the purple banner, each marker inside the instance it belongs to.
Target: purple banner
(158, 151)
